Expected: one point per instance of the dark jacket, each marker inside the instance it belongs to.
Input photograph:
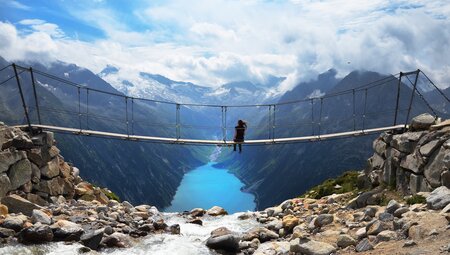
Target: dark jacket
(239, 133)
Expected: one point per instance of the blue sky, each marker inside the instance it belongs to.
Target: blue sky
(210, 42)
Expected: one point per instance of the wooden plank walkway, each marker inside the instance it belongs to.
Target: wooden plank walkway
(212, 142)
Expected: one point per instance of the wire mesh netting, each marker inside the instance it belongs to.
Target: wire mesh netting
(54, 101)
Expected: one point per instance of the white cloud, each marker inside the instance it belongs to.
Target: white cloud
(16, 4)
(210, 42)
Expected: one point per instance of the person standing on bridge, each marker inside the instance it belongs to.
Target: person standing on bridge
(239, 133)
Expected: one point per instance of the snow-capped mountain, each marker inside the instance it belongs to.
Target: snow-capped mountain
(158, 87)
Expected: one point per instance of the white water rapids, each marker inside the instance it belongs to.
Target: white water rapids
(191, 240)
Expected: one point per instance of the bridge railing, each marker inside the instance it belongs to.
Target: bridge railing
(53, 100)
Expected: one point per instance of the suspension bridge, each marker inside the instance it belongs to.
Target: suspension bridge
(87, 104)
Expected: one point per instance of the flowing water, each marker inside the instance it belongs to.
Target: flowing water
(207, 186)
(191, 240)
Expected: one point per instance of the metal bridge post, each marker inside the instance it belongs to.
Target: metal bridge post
(87, 108)
(132, 116)
(178, 131)
(79, 106)
(35, 96)
(364, 113)
(312, 115)
(270, 122)
(126, 116)
(22, 97)
(412, 98)
(224, 123)
(320, 115)
(398, 98)
(273, 124)
(354, 111)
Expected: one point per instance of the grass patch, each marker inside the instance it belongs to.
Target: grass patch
(346, 182)
(416, 199)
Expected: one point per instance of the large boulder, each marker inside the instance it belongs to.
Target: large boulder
(40, 216)
(438, 198)
(9, 157)
(261, 233)
(67, 231)
(51, 169)
(311, 247)
(14, 222)
(323, 219)
(92, 238)
(435, 167)
(20, 173)
(423, 122)
(223, 239)
(53, 187)
(17, 204)
(36, 235)
(216, 211)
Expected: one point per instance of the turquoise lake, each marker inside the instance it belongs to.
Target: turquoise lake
(207, 186)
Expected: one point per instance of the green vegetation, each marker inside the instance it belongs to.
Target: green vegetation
(416, 199)
(347, 182)
(110, 194)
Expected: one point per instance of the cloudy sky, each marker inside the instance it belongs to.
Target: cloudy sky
(210, 42)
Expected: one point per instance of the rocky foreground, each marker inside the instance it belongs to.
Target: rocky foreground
(401, 205)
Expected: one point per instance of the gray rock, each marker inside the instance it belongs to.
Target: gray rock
(261, 233)
(413, 163)
(36, 235)
(423, 121)
(174, 229)
(20, 173)
(361, 233)
(389, 172)
(6, 232)
(310, 247)
(17, 204)
(377, 161)
(434, 168)
(409, 243)
(417, 183)
(64, 230)
(21, 142)
(324, 219)
(38, 158)
(92, 238)
(402, 143)
(216, 211)
(446, 159)
(385, 217)
(35, 173)
(427, 149)
(364, 245)
(51, 169)
(197, 212)
(379, 146)
(439, 198)
(392, 206)
(116, 240)
(402, 181)
(14, 222)
(40, 216)
(445, 179)
(387, 235)
(5, 185)
(344, 241)
(400, 211)
(8, 158)
(53, 187)
(374, 227)
(227, 242)
(370, 211)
